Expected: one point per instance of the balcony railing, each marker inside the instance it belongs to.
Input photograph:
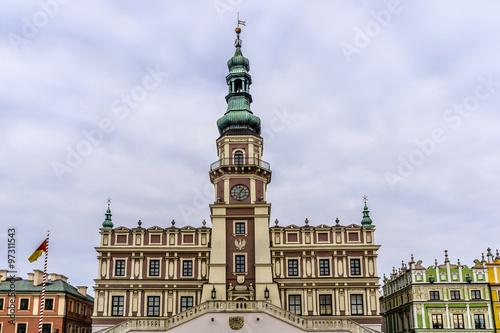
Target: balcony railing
(304, 323)
(242, 161)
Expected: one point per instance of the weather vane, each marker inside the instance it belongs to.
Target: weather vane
(238, 30)
(365, 198)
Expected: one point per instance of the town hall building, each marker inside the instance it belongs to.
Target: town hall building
(240, 271)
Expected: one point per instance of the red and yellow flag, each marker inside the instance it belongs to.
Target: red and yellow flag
(38, 252)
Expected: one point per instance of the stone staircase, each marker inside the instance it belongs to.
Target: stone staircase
(304, 323)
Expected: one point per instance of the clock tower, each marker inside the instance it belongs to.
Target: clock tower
(240, 261)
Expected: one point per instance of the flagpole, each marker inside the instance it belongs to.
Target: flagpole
(42, 301)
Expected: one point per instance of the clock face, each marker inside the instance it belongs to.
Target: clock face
(240, 192)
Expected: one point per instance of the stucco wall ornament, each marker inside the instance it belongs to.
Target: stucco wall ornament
(236, 323)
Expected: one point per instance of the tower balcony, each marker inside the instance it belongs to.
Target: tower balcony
(241, 165)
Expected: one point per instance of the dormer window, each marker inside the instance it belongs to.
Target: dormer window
(238, 158)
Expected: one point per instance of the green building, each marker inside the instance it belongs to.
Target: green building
(442, 297)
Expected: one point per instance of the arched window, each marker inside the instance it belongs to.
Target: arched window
(238, 157)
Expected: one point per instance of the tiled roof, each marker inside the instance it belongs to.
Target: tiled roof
(58, 286)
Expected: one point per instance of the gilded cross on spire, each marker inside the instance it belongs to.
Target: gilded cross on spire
(109, 201)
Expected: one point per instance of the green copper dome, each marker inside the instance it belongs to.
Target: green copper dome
(366, 221)
(107, 224)
(238, 118)
(238, 62)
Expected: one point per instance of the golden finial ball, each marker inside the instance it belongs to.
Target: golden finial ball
(237, 30)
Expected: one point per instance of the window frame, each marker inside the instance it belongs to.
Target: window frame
(238, 226)
(458, 321)
(44, 329)
(154, 271)
(2, 303)
(25, 328)
(293, 271)
(153, 306)
(355, 265)
(322, 267)
(45, 308)
(357, 304)
(240, 263)
(475, 294)
(432, 295)
(24, 301)
(295, 304)
(117, 306)
(325, 305)
(455, 294)
(238, 158)
(437, 321)
(186, 299)
(187, 268)
(482, 321)
(120, 266)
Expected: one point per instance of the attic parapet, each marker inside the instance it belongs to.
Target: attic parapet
(447, 272)
(156, 236)
(321, 235)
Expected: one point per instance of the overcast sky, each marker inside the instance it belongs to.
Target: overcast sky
(396, 100)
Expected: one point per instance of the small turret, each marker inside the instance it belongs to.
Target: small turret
(108, 224)
(366, 221)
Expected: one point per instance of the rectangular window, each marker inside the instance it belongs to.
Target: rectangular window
(239, 228)
(437, 321)
(479, 321)
(1, 303)
(434, 294)
(293, 267)
(324, 267)
(120, 268)
(117, 305)
(77, 308)
(24, 304)
(84, 310)
(356, 304)
(240, 264)
(154, 268)
(475, 294)
(295, 304)
(21, 328)
(186, 302)
(355, 267)
(49, 304)
(153, 306)
(187, 268)
(325, 305)
(458, 321)
(455, 294)
(46, 328)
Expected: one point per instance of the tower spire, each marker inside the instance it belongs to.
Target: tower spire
(366, 221)
(108, 224)
(238, 119)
